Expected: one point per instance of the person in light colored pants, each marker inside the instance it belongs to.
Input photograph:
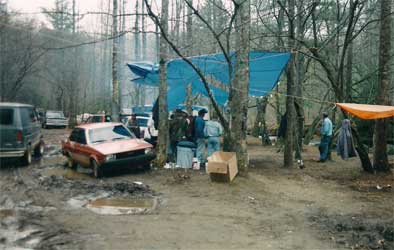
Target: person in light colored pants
(200, 152)
(213, 144)
(213, 131)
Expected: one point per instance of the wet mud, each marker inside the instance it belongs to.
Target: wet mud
(355, 231)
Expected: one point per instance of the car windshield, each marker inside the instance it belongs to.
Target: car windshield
(96, 119)
(118, 132)
(55, 115)
(142, 122)
(6, 116)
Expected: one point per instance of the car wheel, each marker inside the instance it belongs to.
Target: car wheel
(39, 150)
(97, 170)
(71, 163)
(26, 159)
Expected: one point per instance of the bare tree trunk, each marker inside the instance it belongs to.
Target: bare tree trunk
(143, 29)
(380, 160)
(300, 72)
(189, 30)
(163, 113)
(136, 34)
(240, 84)
(349, 66)
(290, 110)
(115, 47)
(189, 99)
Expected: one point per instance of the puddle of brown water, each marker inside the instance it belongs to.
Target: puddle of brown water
(66, 173)
(4, 213)
(123, 203)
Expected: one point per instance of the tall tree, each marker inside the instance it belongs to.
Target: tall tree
(163, 112)
(115, 47)
(380, 160)
(290, 109)
(240, 84)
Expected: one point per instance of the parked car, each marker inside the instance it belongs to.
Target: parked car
(54, 119)
(143, 123)
(20, 132)
(102, 145)
(98, 118)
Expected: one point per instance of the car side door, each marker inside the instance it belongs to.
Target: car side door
(27, 126)
(83, 148)
(77, 145)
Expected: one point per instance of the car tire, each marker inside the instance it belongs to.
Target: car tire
(71, 163)
(97, 170)
(27, 158)
(39, 150)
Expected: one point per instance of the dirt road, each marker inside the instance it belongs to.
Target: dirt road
(324, 206)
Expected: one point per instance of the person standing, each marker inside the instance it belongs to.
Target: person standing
(213, 131)
(199, 126)
(133, 126)
(325, 138)
(178, 127)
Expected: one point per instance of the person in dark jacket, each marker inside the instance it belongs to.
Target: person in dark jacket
(178, 128)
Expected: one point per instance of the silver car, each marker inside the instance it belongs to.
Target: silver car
(54, 119)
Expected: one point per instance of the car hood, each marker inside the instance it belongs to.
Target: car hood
(120, 146)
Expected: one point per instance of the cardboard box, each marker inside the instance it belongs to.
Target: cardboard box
(222, 166)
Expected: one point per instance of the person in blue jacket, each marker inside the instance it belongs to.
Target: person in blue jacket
(199, 126)
(325, 138)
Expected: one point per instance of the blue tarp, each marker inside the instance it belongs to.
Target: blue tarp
(265, 69)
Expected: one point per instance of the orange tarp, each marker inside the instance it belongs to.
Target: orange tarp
(367, 112)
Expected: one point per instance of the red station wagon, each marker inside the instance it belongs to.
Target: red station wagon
(101, 145)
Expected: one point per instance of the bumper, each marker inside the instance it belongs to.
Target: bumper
(130, 161)
(11, 154)
(56, 124)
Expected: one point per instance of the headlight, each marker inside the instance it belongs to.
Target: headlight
(148, 150)
(110, 157)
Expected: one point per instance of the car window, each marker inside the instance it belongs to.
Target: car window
(112, 133)
(78, 136)
(6, 116)
(55, 115)
(28, 116)
(96, 119)
(81, 136)
(142, 122)
(74, 135)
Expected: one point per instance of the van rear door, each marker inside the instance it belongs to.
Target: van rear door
(8, 128)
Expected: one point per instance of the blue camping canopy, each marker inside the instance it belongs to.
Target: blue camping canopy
(265, 69)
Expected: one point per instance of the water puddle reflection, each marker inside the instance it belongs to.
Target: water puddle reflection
(118, 206)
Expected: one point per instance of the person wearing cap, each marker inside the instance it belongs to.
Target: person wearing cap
(199, 126)
(325, 138)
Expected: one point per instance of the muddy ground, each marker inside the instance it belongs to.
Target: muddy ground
(331, 205)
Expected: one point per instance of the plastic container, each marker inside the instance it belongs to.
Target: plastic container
(184, 157)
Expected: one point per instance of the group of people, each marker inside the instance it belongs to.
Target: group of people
(184, 127)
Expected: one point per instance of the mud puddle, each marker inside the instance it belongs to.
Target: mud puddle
(356, 232)
(67, 173)
(118, 206)
(107, 204)
(21, 227)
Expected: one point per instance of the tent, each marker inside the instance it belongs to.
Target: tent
(366, 111)
(265, 69)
